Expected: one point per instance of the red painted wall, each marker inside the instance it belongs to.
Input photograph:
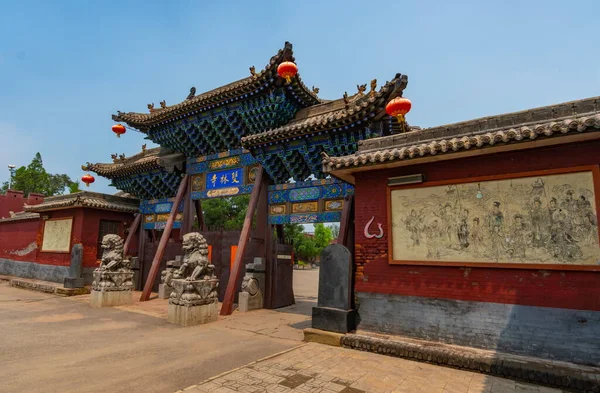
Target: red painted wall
(17, 235)
(16, 238)
(13, 201)
(550, 288)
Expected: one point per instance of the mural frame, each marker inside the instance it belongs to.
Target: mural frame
(594, 169)
(72, 219)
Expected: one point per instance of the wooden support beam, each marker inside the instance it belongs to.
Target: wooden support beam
(188, 219)
(132, 230)
(236, 272)
(200, 215)
(160, 252)
(346, 220)
(141, 251)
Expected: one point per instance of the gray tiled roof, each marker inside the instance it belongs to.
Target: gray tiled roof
(86, 199)
(550, 121)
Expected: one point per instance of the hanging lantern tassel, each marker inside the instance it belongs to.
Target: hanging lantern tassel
(398, 107)
(119, 129)
(287, 70)
(88, 179)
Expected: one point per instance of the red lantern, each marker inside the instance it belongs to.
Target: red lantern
(88, 179)
(119, 129)
(287, 70)
(398, 107)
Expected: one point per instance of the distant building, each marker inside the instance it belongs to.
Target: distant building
(13, 201)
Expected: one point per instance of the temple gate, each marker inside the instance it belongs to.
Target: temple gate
(264, 136)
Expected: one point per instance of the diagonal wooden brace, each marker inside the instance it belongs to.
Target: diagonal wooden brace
(160, 252)
(236, 272)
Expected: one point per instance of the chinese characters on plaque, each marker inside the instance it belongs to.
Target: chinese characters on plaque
(223, 179)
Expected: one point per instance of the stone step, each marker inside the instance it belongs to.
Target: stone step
(563, 375)
(45, 286)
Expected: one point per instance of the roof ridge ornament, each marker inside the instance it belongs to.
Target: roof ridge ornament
(253, 71)
(361, 89)
(192, 93)
(373, 87)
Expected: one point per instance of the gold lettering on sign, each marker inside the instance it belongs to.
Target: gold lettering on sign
(224, 163)
(149, 218)
(223, 192)
(57, 235)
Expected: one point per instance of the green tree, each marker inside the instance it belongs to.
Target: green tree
(227, 213)
(335, 230)
(34, 178)
(292, 231)
(323, 236)
(306, 248)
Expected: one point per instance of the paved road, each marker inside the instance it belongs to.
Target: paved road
(324, 369)
(54, 344)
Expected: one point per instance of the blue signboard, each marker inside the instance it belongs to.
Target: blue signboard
(224, 179)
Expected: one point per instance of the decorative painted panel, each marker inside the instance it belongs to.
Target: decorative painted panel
(156, 213)
(308, 202)
(525, 219)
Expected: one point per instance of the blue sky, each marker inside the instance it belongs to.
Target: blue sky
(65, 67)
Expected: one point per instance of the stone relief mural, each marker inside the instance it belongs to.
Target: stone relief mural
(57, 235)
(529, 220)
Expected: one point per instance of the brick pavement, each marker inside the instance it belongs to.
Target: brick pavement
(316, 368)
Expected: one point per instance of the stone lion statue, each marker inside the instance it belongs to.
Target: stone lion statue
(195, 264)
(112, 255)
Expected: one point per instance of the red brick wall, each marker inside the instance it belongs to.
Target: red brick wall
(17, 235)
(13, 201)
(551, 288)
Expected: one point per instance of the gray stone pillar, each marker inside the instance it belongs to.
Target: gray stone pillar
(75, 279)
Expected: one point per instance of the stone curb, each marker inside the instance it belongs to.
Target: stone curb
(543, 372)
(46, 287)
(241, 367)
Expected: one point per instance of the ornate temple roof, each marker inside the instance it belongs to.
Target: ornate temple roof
(145, 161)
(239, 90)
(150, 174)
(362, 107)
(86, 199)
(553, 121)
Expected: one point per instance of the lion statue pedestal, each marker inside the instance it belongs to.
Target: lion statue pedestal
(194, 299)
(113, 280)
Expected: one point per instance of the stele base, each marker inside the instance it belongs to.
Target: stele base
(246, 302)
(192, 315)
(110, 298)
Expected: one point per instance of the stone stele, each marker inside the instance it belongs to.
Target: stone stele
(113, 280)
(333, 312)
(194, 298)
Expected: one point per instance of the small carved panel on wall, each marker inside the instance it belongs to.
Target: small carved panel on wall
(333, 205)
(198, 182)
(57, 235)
(305, 207)
(527, 219)
(277, 209)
